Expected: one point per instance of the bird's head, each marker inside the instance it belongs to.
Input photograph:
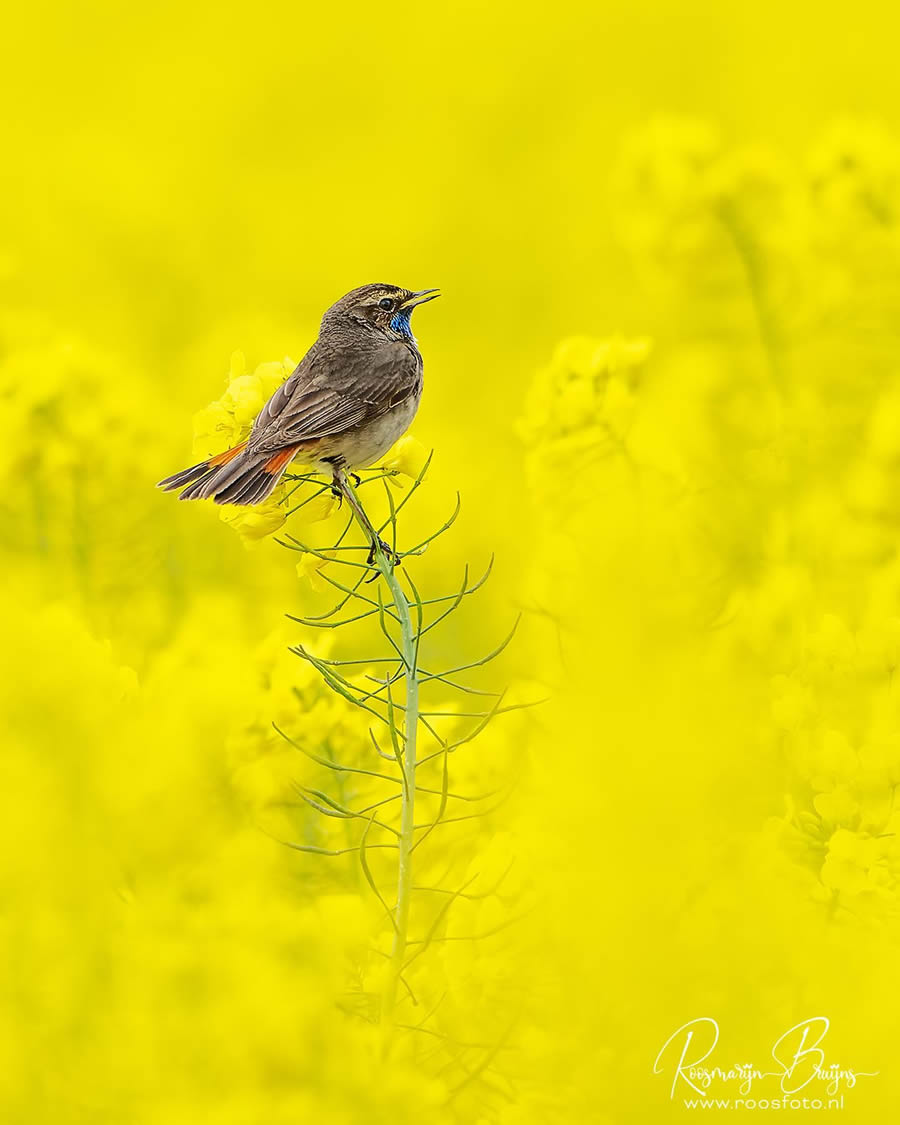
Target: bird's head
(384, 308)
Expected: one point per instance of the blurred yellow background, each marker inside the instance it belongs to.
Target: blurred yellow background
(664, 377)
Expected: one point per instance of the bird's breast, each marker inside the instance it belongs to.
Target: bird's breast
(364, 445)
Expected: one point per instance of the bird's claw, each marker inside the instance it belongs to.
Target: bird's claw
(389, 553)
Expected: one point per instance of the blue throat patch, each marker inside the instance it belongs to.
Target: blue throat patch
(400, 323)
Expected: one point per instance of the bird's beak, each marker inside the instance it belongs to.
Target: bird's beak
(420, 298)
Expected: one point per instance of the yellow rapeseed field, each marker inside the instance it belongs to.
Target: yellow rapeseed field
(664, 378)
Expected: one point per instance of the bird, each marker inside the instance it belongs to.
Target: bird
(351, 397)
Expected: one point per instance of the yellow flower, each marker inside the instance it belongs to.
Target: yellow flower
(245, 398)
(238, 364)
(851, 858)
(227, 421)
(255, 522)
(308, 568)
(313, 511)
(214, 430)
(833, 761)
(836, 807)
(407, 456)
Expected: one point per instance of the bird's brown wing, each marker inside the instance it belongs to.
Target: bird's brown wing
(333, 392)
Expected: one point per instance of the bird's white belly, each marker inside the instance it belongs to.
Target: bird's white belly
(363, 447)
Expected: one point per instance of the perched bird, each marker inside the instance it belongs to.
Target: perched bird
(353, 394)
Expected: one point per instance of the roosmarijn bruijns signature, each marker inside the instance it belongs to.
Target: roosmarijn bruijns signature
(798, 1054)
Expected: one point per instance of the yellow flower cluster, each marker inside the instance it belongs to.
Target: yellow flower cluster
(762, 499)
(227, 422)
(723, 586)
(580, 408)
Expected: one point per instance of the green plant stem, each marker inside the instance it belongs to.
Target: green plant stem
(408, 797)
(752, 264)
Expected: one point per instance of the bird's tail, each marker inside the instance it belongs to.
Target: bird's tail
(236, 476)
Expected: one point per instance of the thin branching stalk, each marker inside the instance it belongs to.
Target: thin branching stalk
(408, 653)
(377, 808)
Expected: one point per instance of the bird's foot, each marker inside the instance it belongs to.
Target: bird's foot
(337, 494)
(357, 479)
(389, 553)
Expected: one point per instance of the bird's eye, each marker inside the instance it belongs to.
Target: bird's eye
(385, 303)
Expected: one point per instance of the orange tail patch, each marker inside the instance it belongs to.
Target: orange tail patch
(278, 461)
(224, 458)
